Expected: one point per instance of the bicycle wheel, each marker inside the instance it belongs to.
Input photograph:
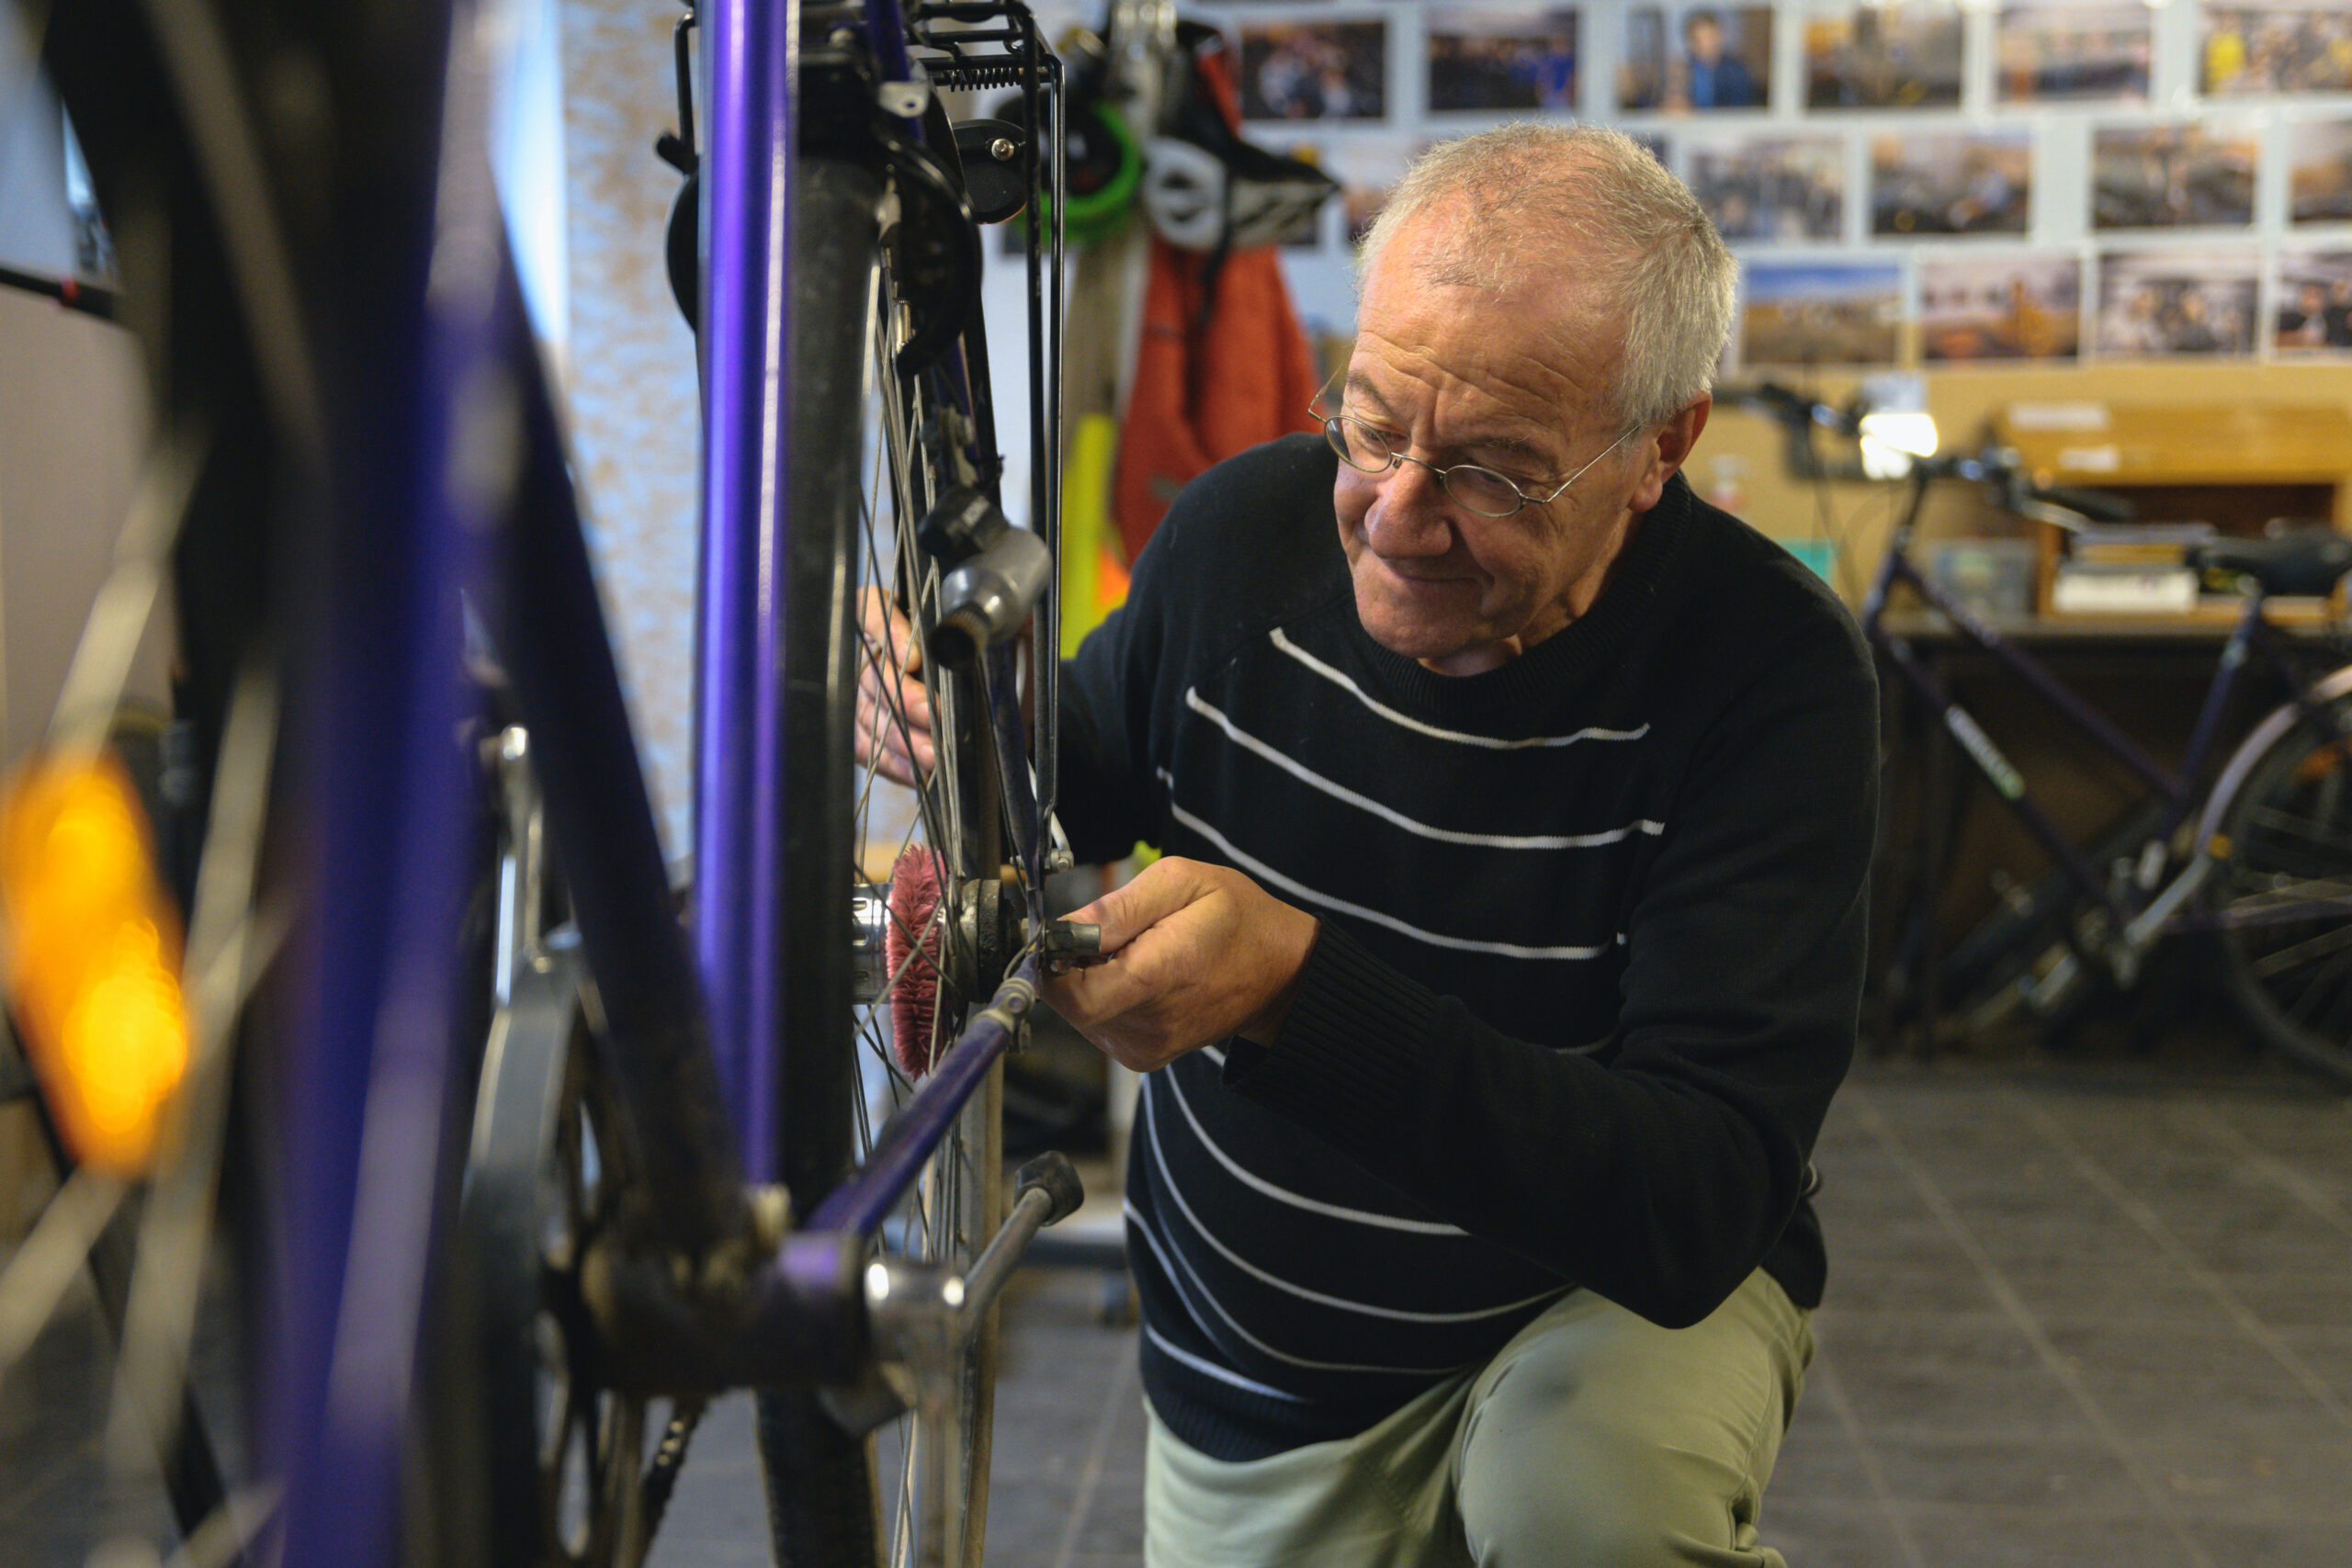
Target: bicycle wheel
(872, 456)
(2283, 891)
(238, 224)
(164, 1241)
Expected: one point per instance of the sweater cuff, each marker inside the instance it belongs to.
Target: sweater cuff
(1350, 1050)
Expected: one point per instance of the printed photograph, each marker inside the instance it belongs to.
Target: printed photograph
(1368, 169)
(1961, 183)
(1485, 59)
(1982, 309)
(1314, 70)
(2177, 303)
(1772, 187)
(1903, 56)
(2065, 50)
(1814, 314)
(2306, 47)
(2319, 172)
(2172, 176)
(2314, 298)
(1685, 59)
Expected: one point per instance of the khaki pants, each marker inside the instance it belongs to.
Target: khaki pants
(1593, 1439)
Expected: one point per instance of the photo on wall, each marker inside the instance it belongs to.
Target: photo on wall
(1901, 56)
(1489, 58)
(1771, 188)
(2319, 172)
(2172, 176)
(1695, 59)
(2314, 313)
(1314, 70)
(1976, 308)
(2296, 46)
(1820, 312)
(1368, 168)
(2070, 51)
(1951, 183)
(2177, 303)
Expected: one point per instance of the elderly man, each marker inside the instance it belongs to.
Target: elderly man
(1517, 807)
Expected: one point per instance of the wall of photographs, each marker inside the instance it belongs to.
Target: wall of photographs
(1938, 184)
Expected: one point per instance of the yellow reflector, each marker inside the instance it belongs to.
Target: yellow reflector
(94, 953)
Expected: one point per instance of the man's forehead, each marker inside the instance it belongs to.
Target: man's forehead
(1540, 352)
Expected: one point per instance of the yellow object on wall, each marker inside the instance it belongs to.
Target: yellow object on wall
(1094, 575)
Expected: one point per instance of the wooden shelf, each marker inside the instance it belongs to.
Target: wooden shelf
(2233, 466)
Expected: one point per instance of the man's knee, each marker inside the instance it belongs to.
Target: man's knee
(1549, 1478)
(1603, 1441)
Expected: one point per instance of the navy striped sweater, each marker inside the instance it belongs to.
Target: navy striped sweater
(1589, 963)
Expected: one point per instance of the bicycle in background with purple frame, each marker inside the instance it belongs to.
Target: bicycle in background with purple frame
(2253, 859)
(494, 1152)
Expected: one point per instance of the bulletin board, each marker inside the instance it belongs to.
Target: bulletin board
(1931, 186)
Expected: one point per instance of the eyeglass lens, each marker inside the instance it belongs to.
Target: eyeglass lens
(1481, 489)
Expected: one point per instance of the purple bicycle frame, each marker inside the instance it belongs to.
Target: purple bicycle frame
(2178, 789)
(455, 477)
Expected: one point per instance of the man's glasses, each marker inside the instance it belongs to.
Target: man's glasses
(1483, 490)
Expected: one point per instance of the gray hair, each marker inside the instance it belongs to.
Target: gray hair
(1554, 188)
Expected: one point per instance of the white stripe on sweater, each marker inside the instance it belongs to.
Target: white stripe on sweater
(1314, 780)
(1460, 737)
(1297, 889)
(1164, 1252)
(1266, 1277)
(1207, 1368)
(1257, 1183)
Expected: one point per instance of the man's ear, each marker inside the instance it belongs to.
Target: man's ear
(1669, 447)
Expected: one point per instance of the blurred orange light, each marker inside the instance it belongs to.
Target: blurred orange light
(93, 949)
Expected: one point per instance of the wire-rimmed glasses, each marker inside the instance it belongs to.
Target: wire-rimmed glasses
(1364, 448)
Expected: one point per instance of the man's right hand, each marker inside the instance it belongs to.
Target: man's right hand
(893, 710)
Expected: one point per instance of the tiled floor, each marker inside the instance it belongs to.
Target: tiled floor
(2086, 1312)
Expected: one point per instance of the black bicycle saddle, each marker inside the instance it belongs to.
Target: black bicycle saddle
(2290, 559)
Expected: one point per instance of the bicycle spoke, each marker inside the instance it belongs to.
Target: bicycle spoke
(118, 616)
(47, 1260)
(230, 944)
(2286, 958)
(2332, 997)
(2300, 829)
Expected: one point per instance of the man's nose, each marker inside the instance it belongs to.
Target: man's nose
(1408, 518)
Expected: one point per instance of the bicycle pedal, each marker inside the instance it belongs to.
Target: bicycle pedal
(1065, 945)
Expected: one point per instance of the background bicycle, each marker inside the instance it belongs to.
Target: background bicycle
(2239, 861)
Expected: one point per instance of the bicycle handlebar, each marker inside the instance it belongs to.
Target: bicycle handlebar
(1991, 464)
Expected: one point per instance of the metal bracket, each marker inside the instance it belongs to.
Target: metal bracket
(904, 100)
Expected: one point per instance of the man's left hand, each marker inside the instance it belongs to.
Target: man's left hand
(1198, 954)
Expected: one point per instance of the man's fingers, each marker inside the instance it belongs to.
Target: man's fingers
(1099, 991)
(1125, 913)
(893, 709)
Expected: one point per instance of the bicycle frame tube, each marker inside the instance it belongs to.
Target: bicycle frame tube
(2006, 782)
(747, 173)
(379, 776)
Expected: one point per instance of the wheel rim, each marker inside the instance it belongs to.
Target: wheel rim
(2288, 902)
(952, 818)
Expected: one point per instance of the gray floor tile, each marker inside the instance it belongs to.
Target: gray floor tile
(2157, 1370)
(1835, 1534)
(1978, 1537)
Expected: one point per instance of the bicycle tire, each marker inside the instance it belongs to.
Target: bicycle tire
(109, 65)
(2286, 835)
(225, 236)
(862, 473)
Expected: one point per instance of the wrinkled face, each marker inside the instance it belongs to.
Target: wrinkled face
(1517, 381)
